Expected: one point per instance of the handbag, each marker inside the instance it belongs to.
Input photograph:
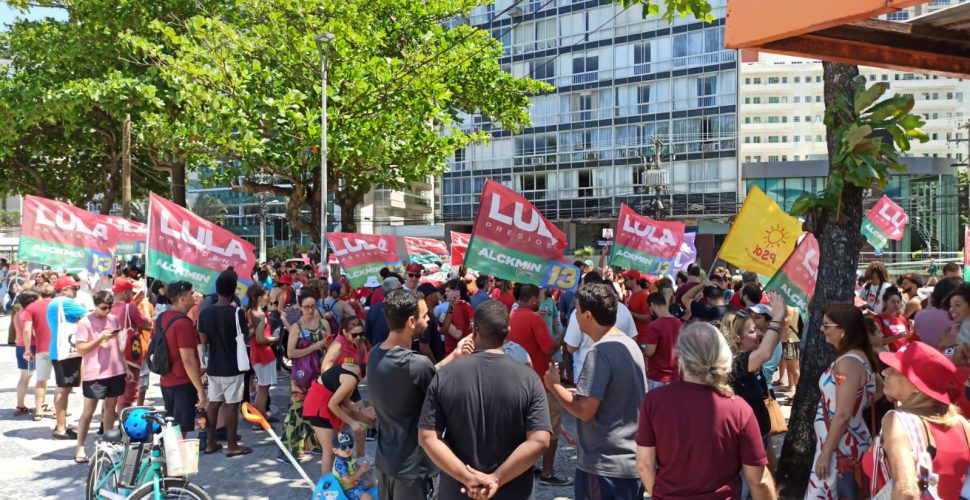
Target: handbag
(66, 331)
(131, 340)
(242, 357)
(778, 424)
(922, 460)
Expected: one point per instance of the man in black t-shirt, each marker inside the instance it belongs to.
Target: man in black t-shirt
(431, 344)
(485, 431)
(217, 329)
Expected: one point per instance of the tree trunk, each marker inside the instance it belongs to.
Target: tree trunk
(112, 184)
(178, 181)
(840, 241)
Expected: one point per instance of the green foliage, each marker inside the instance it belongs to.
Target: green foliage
(282, 252)
(248, 78)
(700, 9)
(584, 252)
(211, 209)
(867, 145)
(9, 219)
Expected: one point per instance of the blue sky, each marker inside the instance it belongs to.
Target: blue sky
(9, 15)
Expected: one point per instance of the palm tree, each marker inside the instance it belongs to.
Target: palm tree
(210, 208)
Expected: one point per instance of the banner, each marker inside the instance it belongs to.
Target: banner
(185, 247)
(513, 241)
(644, 244)
(459, 245)
(363, 255)
(129, 237)
(63, 236)
(795, 281)
(762, 236)
(884, 222)
(688, 253)
(425, 250)
(966, 254)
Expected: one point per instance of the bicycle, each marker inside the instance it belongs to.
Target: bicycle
(127, 467)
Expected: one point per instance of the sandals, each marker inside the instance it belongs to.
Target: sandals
(21, 411)
(242, 451)
(81, 460)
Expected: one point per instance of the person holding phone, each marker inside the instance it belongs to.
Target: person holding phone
(102, 367)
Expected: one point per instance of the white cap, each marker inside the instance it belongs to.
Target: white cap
(372, 282)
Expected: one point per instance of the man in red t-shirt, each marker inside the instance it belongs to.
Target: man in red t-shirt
(36, 327)
(182, 388)
(659, 342)
(637, 303)
(529, 330)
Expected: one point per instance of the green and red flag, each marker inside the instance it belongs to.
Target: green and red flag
(425, 250)
(795, 280)
(185, 247)
(966, 254)
(129, 237)
(884, 222)
(647, 245)
(513, 241)
(459, 245)
(363, 255)
(63, 236)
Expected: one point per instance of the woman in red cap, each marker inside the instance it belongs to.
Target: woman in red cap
(923, 449)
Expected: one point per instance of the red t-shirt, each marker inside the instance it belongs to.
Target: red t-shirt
(638, 304)
(260, 354)
(529, 330)
(181, 333)
(18, 325)
(462, 320)
(693, 429)
(735, 301)
(663, 332)
(37, 314)
(505, 298)
(892, 326)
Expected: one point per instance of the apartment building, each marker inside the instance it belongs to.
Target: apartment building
(644, 112)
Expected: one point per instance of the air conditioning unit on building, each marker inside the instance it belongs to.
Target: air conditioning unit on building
(592, 156)
(536, 160)
(711, 146)
(515, 12)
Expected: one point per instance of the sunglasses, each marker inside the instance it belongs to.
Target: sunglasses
(343, 447)
(355, 335)
(413, 275)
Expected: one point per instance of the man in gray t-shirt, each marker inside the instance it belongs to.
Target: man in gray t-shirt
(607, 400)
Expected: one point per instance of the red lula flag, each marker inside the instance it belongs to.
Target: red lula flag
(795, 280)
(64, 236)
(884, 222)
(129, 237)
(425, 250)
(459, 245)
(966, 254)
(185, 247)
(647, 245)
(512, 240)
(363, 255)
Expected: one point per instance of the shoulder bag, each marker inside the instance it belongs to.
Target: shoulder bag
(242, 357)
(922, 460)
(66, 332)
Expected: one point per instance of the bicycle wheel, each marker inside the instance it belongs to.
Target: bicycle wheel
(100, 468)
(172, 487)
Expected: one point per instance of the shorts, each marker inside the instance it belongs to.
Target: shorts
(555, 414)
(317, 421)
(265, 374)
(225, 389)
(790, 351)
(67, 372)
(590, 485)
(180, 401)
(145, 374)
(396, 488)
(104, 388)
(22, 363)
(44, 366)
(130, 395)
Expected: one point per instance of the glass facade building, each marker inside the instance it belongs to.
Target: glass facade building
(643, 110)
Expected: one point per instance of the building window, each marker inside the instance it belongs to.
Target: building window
(774, 119)
(773, 79)
(795, 138)
(706, 90)
(543, 69)
(773, 139)
(774, 100)
(641, 58)
(756, 139)
(534, 186)
(797, 79)
(772, 157)
(796, 99)
(796, 119)
(757, 81)
(585, 69)
(585, 184)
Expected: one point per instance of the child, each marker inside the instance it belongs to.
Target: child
(345, 468)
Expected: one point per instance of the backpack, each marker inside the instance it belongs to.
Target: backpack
(306, 368)
(158, 357)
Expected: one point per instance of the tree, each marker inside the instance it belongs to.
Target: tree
(249, 76)
(211, 209)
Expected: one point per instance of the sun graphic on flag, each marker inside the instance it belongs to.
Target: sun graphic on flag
(775, 236)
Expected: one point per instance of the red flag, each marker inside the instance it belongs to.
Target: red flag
(459, 245)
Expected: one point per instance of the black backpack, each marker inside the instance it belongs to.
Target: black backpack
(158, 348)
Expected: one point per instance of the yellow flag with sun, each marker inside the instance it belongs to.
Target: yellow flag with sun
(762, 236)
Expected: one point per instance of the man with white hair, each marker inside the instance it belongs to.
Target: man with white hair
(375, 327)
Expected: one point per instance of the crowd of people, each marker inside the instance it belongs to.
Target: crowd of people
(672, 382)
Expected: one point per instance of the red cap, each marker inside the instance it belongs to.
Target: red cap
(65, 282)
(632, 274)
(122, 285)
(928, 370)
(415, 268)
(285, 279)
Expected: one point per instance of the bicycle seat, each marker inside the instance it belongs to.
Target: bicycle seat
(112, 436)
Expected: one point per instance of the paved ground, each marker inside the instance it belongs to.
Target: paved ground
(34, 466)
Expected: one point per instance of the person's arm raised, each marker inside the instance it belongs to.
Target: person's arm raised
(763, 353)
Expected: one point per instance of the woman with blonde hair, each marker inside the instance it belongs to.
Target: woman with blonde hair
(923, 449)
(695, 438)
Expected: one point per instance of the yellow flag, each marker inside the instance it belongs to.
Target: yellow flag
(762, 236)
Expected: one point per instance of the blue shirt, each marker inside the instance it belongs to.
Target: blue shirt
(375, 327)
(73, 312)
(477, 299)
(771, 366)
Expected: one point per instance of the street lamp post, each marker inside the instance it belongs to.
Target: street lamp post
(323, 45)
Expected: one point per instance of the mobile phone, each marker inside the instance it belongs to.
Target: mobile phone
(116, 331)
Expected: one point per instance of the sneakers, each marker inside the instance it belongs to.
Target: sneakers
(67, 434)
(554, 480)
(281, 458)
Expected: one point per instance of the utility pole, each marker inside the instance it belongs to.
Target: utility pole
(126, 168)
(262, 222)
(966, 164)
